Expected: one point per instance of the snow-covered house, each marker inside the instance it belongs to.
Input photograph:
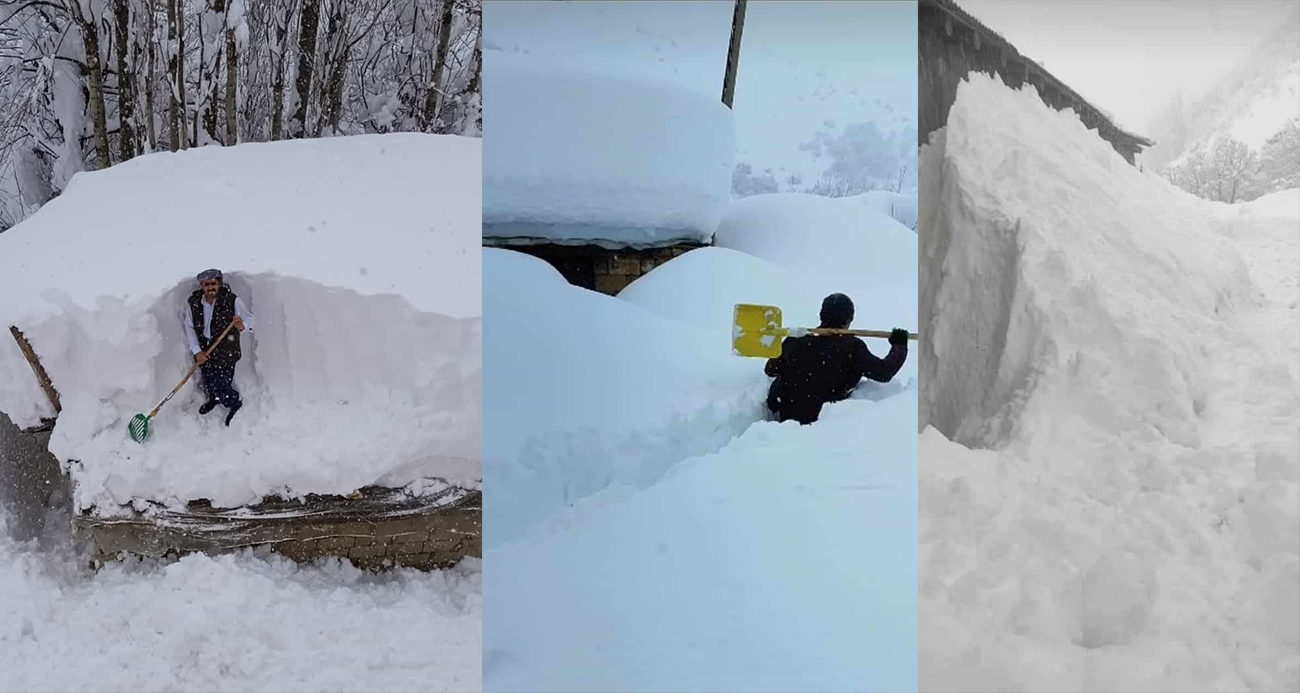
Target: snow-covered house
(361, 430)
(952, 44)
(603, 177)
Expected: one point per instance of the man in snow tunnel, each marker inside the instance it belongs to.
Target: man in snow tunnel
(211, 309)
(813, 370)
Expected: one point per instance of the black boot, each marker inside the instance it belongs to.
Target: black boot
(233, 410)
(207, 406)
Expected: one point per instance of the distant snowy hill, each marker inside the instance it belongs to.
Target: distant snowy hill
(1250, 104)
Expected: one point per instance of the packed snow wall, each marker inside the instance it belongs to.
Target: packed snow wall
(358, 258)
(1110, 462)
(1052, 271)
(581, 170)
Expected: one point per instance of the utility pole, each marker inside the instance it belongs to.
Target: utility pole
(733, 54)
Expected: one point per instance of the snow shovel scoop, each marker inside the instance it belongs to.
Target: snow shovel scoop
(756, 331)
(139, 426)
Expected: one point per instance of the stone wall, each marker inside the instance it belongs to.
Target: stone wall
(380, 529)
(599, 268)
(952, 44)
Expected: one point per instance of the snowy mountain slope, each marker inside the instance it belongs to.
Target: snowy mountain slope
(365, 362)
(1250, 104)
(1112, 468)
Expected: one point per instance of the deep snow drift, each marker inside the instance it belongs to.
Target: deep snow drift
(358, 257)
(233, 623)
(609, 159)
(1109, 498)
(647, 528)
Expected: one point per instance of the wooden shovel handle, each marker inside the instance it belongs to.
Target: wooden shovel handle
(193, 368)
(857, 333)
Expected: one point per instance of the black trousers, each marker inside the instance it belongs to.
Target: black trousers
(217, 379)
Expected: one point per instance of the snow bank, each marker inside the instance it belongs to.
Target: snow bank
(586, 391)
(365, 362)
(235, 624)
(785, 562)
(1109, 496)
(577, 157)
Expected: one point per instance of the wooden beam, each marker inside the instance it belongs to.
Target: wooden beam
(733, 54)
(35, 363)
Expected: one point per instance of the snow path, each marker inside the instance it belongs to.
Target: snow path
(1257, 384)
(775, 564)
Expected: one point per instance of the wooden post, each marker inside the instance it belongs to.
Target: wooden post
(733, 54)
(37, 368)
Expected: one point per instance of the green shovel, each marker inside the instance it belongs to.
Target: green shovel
(139, 426)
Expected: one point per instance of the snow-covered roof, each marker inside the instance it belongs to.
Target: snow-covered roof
(581, 157)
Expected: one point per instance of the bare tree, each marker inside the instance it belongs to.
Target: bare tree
(282, 21)
(89, 27)
(232, 76)
(309, 20)
(151, 27)
(125, 84)
(429, 120)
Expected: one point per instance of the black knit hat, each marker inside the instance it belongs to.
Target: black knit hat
(837, 311)
(209, 274)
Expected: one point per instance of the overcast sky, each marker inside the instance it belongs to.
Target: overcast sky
(1129, 57)
(801, 63)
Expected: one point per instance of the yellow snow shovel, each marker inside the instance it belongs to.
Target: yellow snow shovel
(756, 331)
(139, 426)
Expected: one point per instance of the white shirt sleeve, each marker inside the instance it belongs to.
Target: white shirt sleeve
(242, 311)
(187, 325)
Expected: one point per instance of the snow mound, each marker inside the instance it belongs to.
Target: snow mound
(364, 365)
(900, 206)
(837, 245)
(568, 158)
(702, 287)
(1108, 417)
(588, 391)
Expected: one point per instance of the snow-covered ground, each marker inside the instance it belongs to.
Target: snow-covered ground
(647, 528)
(1110, 492)
(234, 623)
(356, 254)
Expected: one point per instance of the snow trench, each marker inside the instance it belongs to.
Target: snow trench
(554, 470)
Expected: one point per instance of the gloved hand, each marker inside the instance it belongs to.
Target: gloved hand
(898, 337)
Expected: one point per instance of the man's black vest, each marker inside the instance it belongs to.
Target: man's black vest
(223, 311)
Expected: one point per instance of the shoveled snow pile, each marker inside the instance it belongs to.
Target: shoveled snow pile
(615, 160)
(1110, 494)
(231, 623)
(358, 258)
(648, 528)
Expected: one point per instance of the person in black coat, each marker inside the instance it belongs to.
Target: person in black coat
(813, 370)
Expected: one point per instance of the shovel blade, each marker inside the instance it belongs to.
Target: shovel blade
(138, 428)
(756, 331)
